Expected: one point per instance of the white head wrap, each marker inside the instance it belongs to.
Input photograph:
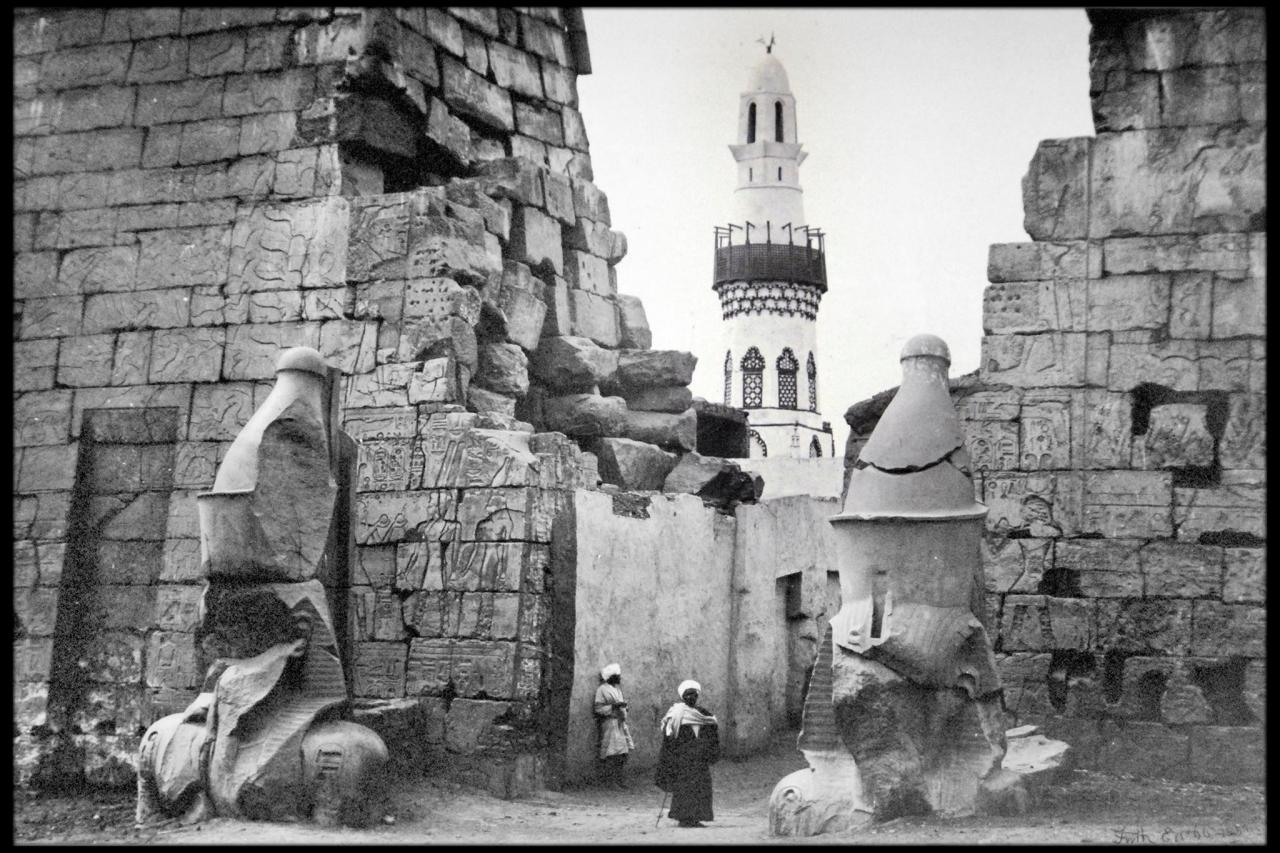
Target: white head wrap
(610, 670)
(688, 685)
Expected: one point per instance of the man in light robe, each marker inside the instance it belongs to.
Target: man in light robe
(611, 717)
(690, 745)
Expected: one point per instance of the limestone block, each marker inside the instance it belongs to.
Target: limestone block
(585, 415)
(1245, 579)
(592, 316)
(519, 298)
(1177, 437)
(472, 95)
(1224, 365)
(36, 274)
(1191, 305)
(633, 465)
(35, 611)
(1182, 569)
(535, 239)
(675, 432)
(437, 382)
(1253, 91)
(504, 369)
(1035, 623)
(575, 130)
(1172, 364)
(1200, 96)
(171, 661)
(389, 517)
(380, 669)
(1045, 435)
(180, 558)
(440, 246)
(470, 457)
(546, 41)
(1050, 359)
(1034, 306)
(673, 399)
(512, 178)
(470, 724)
(587, 272)
(1227, 755)
(85, 360)
(1168, 181)
(1176, 253)
(1055, 190)
(1120, 504)
(559, 198)
(589, 202)
(1228, 629)
(570, 363)
(1146, 626)
(489, 615)
(541, 124)
(452, 337)
(448, 131)
(1128, 302)
(138, 517)
(1016, 565)
(694, 471)
(1224, 510)
(1037, 261)
(188, 355)
(644, 368)
(504, 514)
(992, 445)
(482, 400)
(1255, 688)
(251, 351)
(1239, 306)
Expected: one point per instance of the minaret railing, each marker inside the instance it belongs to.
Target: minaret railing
(799, 259)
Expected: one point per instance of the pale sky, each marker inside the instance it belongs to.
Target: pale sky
(919, 124)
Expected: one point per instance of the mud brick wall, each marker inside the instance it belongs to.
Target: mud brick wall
(1117, 421)
(408, 191)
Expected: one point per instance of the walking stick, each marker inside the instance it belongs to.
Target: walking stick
(660, 808)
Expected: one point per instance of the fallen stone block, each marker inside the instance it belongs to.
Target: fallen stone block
(572, 363)
(673, 399)
(633, 465)
(677, 432)
(639, 368)
(584, 415)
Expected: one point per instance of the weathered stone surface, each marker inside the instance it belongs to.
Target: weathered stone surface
(1180, 253)
(1051, 359)
(633, 324)
(1245, 579)
(1239, 306)
(570, 363)
(638, 368)
(535, 239)
(1038, 261)
(1213, 512)
(1119, 504)
(674, 399)
(1181, 569)
(633, 465)
(1155, 626)
(482, 400)
(694, 471)
(589, 202)
(1177, 437)
(518, 298)
(1228, 629)
(591, 315)
(675, 432)
(472, 95)
(584, 415)
(1143, 182)
(585, 271)
(1055, 190)
(1035, 623)
(503, 368)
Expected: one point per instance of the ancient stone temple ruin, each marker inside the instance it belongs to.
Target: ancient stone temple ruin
(1117, 422)
(409, 193)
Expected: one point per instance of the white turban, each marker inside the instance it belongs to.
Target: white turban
(610, 670)
(688, 685)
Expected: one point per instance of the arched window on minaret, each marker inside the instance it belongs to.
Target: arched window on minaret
(751, 123)
(787, 369)
(812, 370)
(728, 378)
(752, 379)
(815, 448)
(777, 121)
(757, 443)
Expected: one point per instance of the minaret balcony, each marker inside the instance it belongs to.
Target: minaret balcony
(788, 259)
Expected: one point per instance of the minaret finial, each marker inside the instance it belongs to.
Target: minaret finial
(768, 47)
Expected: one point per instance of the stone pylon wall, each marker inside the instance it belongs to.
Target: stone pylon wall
(406, 190)
(1117, 421)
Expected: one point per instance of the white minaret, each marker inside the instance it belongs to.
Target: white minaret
(770, 274)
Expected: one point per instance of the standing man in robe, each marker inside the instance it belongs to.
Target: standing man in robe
(690, 745)
(611, 718)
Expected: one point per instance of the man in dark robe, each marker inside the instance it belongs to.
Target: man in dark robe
(690, 745)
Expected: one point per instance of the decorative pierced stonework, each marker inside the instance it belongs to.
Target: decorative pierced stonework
(783, 299)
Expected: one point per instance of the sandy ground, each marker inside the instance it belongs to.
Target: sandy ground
(1081, 808)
